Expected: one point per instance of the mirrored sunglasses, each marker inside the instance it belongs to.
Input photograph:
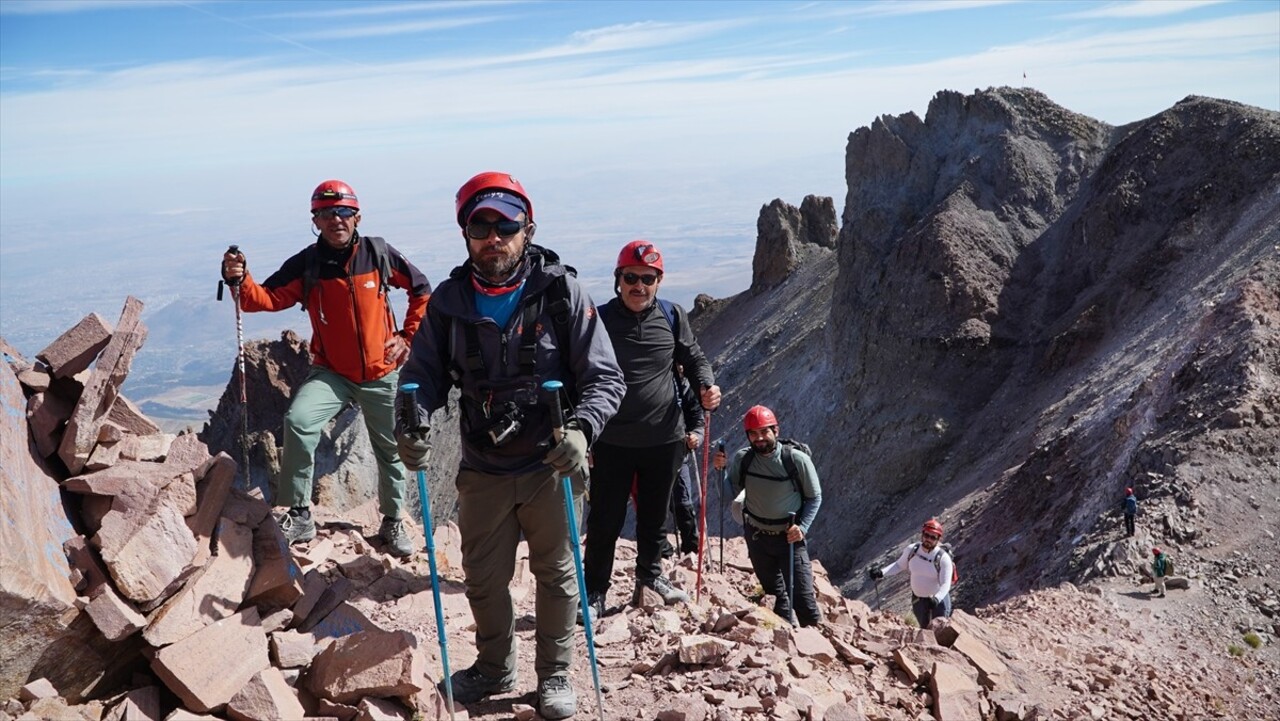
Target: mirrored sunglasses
(479, 229)
(340, 211)
(633, 278)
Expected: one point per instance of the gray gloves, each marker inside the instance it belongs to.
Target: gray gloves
(569, 456)
(415, 449)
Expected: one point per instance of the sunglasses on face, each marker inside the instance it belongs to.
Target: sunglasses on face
(932, 536)
(633, 278)
(479, 229)
(341, 212)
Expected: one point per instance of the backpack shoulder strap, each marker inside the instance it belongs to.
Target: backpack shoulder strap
(310, 273)
(557, 299)
(381, 261)
(669, 312)
(742, 465)
(789, 463)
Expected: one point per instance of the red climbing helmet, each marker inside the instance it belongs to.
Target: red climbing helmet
(758, 417)
(932, 526)
(1128, 491)
(642, 252)
(491, 181)
(333, 194)
(1155, 551)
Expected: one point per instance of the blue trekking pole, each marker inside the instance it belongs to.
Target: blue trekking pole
(409, 407)
(791, 573)
(557, 426)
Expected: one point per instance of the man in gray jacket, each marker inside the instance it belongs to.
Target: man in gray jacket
(508, 319)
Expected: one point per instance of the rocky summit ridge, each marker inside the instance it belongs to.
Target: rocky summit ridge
(1019, 312)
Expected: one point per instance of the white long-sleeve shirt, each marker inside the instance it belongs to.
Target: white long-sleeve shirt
(926, 580)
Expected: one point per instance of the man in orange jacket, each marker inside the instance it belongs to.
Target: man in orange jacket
(343, 281)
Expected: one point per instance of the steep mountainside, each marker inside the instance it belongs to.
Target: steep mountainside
(1027, 311)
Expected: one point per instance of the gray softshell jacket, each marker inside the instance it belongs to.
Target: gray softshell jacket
(587, 368)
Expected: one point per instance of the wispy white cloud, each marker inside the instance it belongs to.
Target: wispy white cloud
(390, 29)
(387, 8)
(47, 7)
(1140, 9)
(896, 7)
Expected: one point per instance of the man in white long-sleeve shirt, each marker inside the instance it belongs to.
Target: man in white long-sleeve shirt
(931, 568)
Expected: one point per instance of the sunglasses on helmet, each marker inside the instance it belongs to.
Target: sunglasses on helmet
(340, 211)
(633, 278)
(479, 229)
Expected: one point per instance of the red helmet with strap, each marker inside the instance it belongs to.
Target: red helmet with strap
(640, 252)
(932, 526)
(333, 194)
(489, 180)
(758, 417)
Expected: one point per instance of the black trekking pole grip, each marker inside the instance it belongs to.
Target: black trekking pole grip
(557, 413)
(407, 407)
(233, 282)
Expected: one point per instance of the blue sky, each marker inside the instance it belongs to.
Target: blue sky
(139, 139)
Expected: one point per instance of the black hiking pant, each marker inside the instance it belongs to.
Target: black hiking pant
(684, 506)
(770, 554)
(615, 468)
(925, 610)
(1128, 524)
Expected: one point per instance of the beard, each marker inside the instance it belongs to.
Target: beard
(764, 446)
(497, 268)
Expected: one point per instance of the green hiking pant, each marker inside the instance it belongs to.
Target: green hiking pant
(494, 512)
(321, 396)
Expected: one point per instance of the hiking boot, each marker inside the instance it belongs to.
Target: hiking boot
(470, 686)
(395, 534)
(296, 527)
(556, 699)
(595, 602)
(660, 585)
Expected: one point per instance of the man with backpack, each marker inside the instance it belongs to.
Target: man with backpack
(781, 497)
(342, 281)
(509, 318)
(1129, 506)
(1161, 567)
(932, 573)
(646, 441)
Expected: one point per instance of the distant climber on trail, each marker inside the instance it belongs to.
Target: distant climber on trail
(1129, 506)
(931, 572)
(781, 496)
(342, 281)
(507, 319)
(1161, 568)
(646, 441)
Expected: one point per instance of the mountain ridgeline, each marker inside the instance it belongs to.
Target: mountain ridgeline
(1026, 311)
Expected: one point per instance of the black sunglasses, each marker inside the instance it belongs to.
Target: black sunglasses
(633, 278)
(342, 212)
(479, 229)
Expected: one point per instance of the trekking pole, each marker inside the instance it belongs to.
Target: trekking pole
(791, 573)
(409, 410)
(720, 491)
(244, 396)
(557, 432)
(702, 504)
(879, 601)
